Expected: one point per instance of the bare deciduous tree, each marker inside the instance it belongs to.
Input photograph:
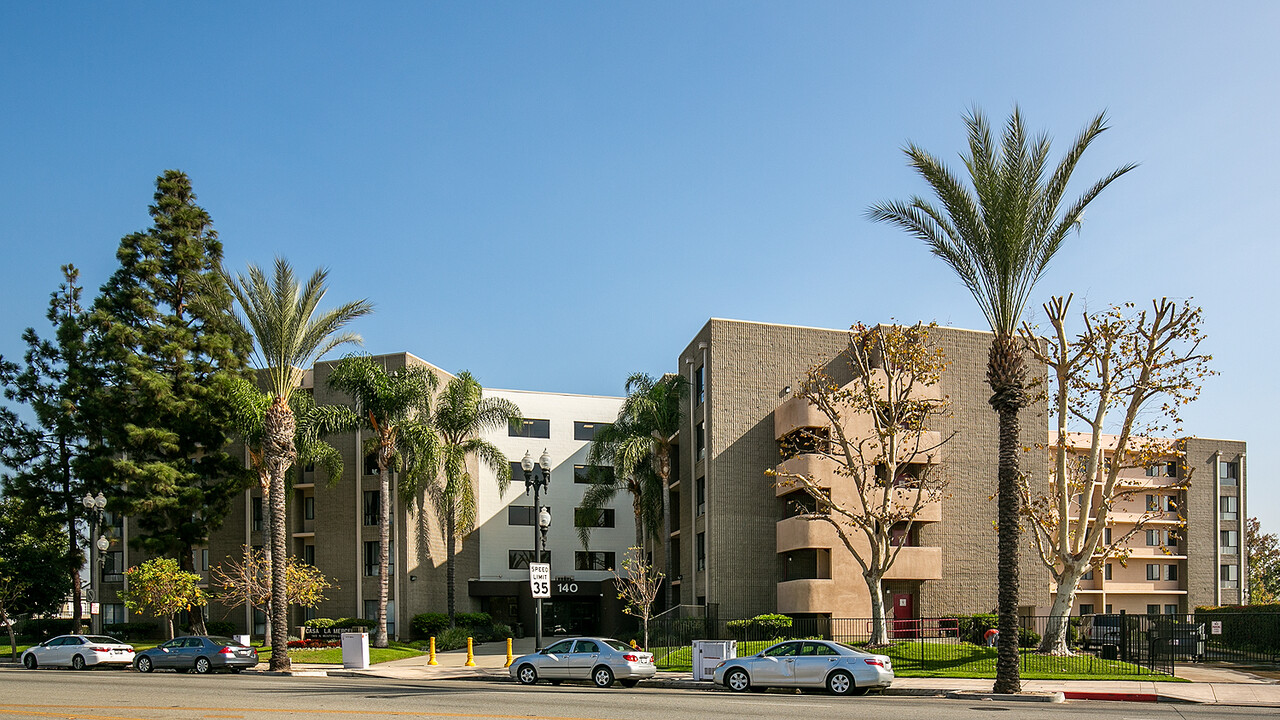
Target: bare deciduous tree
(637, 587)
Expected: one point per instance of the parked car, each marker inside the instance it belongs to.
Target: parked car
(197, 653)
(1100, 630)
(807, 663)
(600, 660)
(78, 652)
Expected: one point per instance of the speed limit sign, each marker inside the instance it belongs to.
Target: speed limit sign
(540, 579)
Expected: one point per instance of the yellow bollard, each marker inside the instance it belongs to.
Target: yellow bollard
(510, 658)
(471, 658)
(432, 660)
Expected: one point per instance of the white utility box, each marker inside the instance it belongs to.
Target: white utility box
(242, 639)
(707, 654)
(355, 650)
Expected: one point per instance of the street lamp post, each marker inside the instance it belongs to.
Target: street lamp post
(538, 484)
(97, 556)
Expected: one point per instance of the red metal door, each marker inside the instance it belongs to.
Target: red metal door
(904, 615)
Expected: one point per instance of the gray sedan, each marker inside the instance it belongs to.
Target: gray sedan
(197, 653)
(600, 660)
(807, 663)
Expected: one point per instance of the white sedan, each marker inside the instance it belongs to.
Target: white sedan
(807, 663)
(78, 652)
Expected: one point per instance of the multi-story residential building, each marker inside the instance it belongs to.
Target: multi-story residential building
(1183, 517)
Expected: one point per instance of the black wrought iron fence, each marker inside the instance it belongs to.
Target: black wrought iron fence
(1241, 638)
(1103, 645)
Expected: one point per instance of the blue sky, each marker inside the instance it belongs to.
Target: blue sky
(555, 195)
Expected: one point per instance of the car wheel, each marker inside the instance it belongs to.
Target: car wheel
(841, 683)
(202, 665)
(630, 683)
(737, 680)
(602, 676)
(527, 675)
(30, 662)
(77, 662)
(144, 664)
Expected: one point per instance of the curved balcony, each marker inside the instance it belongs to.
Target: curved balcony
(796, 412)
(822, 469)
(807, 596)
(797, 533)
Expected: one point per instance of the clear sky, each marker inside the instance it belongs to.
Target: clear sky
(555, 195)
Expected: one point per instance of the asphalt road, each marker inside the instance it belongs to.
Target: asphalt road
(121, 695)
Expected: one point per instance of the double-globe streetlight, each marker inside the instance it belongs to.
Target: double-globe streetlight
(538, 483)
(97, 555)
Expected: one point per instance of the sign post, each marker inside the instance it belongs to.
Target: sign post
(540, 585)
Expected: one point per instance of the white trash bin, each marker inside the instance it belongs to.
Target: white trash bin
(355, 650)
(242, 639)
(707, 654)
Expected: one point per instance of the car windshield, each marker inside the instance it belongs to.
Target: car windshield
(102, 639)
(617, 645)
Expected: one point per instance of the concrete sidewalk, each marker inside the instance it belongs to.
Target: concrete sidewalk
(1210, 685)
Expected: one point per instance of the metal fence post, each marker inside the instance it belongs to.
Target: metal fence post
(1124, 636)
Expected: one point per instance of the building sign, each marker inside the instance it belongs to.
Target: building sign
(1215, 627)
(95, 609)
(540, 579)
(568, 587)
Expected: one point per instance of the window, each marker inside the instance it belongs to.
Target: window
(530, 429)
(1153, 503)
(701, 550)
(1153, 571)
(1088, 575)
(1170, 572)
(1230, 507)
(1086, 609)
(521, 515)
(113, 566)
(257, 514)
(602, 518)
(585, 474)
(259, 622)
(700, 444)
(308, 508)
(371, 464)
(807, 564)
(1229, 473)
(373, 561)
(560, 648)
(200, 559)
(1106, 573)
(519, 559)
(112, 613)
(1153, 538)
(586, 646)
(1171, 609)
(372, 507)
(802, 502)
(1106, 536)
(700, 496)
(371, 613)
(1169, 503)
(309, 554)
(1108, 609)
(1153, 609)
(699, 384)
(1230, 542)
(1230, 575)
(593, 560)
(1164, 469)
(587, 430)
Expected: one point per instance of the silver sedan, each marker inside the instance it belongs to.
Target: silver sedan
(78, 652)
(600, 660)
(807, 663)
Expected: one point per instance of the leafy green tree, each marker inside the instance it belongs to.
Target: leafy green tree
(35, 575)
(1264, 564)
(43, 453)
(462, 415)
(159, 334)
(999, 237)
(288, 334)
(396, 407)
(638, 446)
(160, 588)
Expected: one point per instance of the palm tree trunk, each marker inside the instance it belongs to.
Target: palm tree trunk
(450, 545)
(639, 511)
(1006, 373)
(384, 549)
(266, 551)
(278, 452)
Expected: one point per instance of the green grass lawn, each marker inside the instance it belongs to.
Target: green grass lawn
(333, 656)
(957, 660)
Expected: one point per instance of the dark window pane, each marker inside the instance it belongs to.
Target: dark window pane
(521, 515)
(519, 559)
(530, 429)
(587, 430)
(602, 474)
(602, 517)
(593, 560)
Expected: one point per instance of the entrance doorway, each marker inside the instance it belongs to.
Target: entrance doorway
(904, 615)
(566, 616)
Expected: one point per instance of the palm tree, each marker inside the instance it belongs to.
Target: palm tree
(288, 332)
(999, 237)
(396, 408)
(462, 414)
(638, 447)
(248, 405)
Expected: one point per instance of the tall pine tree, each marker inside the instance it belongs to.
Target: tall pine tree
(160, 332)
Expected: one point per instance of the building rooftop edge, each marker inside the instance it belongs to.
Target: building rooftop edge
(811, 327)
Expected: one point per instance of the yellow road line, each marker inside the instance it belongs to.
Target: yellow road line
(12, 708)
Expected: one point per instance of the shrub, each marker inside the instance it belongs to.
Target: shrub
(220, 627)
(1028, 638)
(760, 627)
(473, 620)
(429, 624)
(320, 623)
(354, 623)
(500, 632)
(452, 638)
(42, 628)
(312, 644)
(133, 630)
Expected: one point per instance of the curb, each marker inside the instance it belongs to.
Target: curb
(1046, 697)
(1121, 697)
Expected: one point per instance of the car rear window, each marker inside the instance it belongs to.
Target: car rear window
(102, 639)
(618, 645)
(220, 640)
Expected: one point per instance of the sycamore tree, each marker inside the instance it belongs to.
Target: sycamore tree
(1123, 379)
(247, 581)
(881, 444)
(160, 588)
(637, 587)
(1264, 564)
